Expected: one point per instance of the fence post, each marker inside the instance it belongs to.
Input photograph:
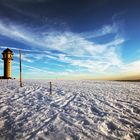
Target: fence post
(50, 88)
(20, 57)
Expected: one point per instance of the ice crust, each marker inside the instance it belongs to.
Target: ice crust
(76, 110)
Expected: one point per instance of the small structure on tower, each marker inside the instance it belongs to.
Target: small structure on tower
(7, 57)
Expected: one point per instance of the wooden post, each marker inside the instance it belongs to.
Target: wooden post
(20, 68)
(50, 88)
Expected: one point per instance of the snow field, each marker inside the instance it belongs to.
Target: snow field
(76, 110)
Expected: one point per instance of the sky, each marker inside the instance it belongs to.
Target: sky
(72, 39)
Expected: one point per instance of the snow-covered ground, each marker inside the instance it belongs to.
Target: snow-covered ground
(98, 110)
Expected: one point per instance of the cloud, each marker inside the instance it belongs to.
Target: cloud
(133, 67)
(25, 57)
(76, 50)
(49, 39)
(17, 33)
(64, 42)
(138, 51)
(30, 67)
(106, 29)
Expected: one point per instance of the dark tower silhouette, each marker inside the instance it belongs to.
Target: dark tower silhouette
(7, 57)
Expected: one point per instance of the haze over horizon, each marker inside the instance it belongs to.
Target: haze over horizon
(72, 39)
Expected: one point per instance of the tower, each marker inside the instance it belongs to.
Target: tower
(7, 57)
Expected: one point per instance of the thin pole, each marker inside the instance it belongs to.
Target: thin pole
(20, 53)
(50, 88)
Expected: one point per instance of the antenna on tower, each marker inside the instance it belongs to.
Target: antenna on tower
(20, 57)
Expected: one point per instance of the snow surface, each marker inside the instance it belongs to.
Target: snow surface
(76, 110)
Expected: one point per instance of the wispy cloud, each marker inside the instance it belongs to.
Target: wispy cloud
(76, 50)
(25, 57)
(106, 29)
(49, 40)
(133, 67)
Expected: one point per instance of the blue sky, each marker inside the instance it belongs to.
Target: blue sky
(72, 39)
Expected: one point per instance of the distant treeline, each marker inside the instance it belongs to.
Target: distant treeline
(128, 80)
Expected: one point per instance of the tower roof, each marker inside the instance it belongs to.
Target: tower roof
(8, 50)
